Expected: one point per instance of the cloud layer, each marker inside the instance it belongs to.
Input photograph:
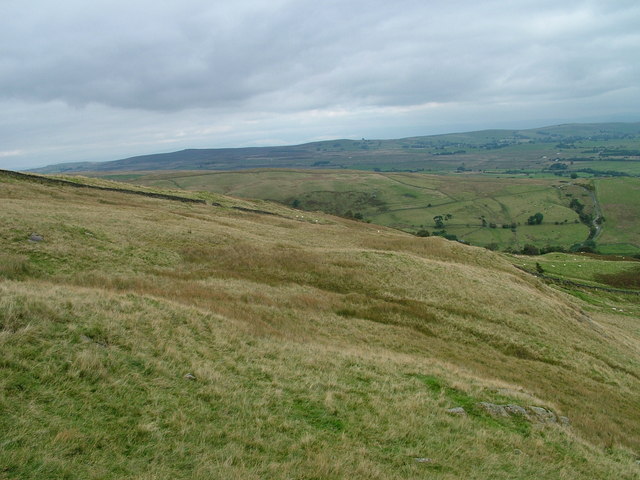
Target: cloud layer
(105, 79)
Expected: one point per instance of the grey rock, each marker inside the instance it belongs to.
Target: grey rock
(493, 409)
(457, 411)
(34, 237)
(543, 415)
(424, 460)
(190, 376)
(516, 410)
(531, 413)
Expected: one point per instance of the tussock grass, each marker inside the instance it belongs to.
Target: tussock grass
(320, 350)
(14, 266)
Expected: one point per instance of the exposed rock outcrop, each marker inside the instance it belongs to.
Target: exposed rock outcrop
(530, 413)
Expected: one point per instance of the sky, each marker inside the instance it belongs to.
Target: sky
(108, 79)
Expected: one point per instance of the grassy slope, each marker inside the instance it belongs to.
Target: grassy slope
(620, 201)
(578, 267)
(410, 200)
(326, 349)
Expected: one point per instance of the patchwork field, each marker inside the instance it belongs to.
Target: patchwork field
(153, 338)
(480, 210)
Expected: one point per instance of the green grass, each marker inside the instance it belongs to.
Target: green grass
(410, 201)
(620, 201)
(321, 348)
(579, 267)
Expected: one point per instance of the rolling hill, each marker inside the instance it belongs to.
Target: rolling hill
(587, 149)
(484, 211)
(204, 336)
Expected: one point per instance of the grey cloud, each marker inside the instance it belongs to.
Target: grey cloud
(252, 66)
(199, 54)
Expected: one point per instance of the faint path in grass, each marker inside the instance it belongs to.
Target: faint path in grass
(571, 283)
(174, 182)
(393, 179)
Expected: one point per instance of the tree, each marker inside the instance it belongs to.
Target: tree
(535, 219)
(576, 205)
(439, 221)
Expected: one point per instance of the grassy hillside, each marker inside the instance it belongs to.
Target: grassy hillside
(620, 200)
(479, 210)
(150, 338)
(586, 149)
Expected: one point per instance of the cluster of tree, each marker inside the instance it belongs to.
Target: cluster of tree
(535, 219)
(588, 246)
(456, 152)
(439, 220)
(448, 236)
(578, 207)
(530, 249)
(512, 225)
(353, 215)
(618, 152)
(439, 233)
(604, 173)
(496, 145)
(558, 166)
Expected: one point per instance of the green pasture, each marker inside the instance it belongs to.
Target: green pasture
(474, 208)
(628, 167)
(620, 202)
(581, 268)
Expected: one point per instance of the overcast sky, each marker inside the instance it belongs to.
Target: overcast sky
(107, 79)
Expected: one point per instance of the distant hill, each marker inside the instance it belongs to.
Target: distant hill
(480, 150)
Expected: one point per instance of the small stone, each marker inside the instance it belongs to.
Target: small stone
(190, 376)
(517, 451)
(424, 460)
(35, 238)
(457, 411)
